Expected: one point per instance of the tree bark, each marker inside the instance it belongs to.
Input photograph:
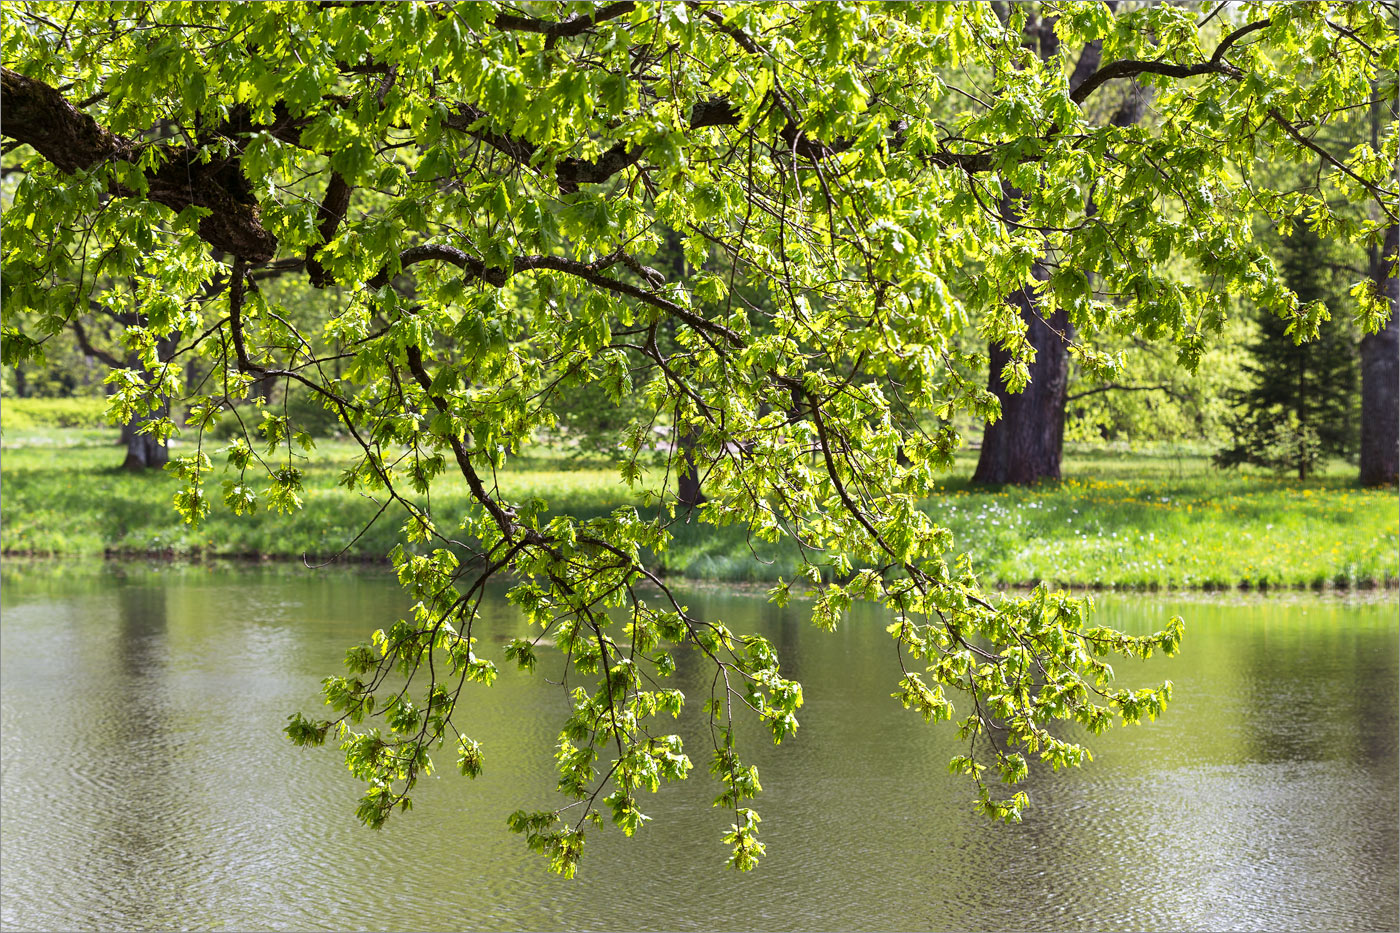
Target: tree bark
(40, 116)
(688, 490)
(1380, 377)
(144, 451)
(1025, 444)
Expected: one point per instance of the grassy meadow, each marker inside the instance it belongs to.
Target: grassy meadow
(1118, 519)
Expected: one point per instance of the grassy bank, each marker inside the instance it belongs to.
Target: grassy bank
(1118, 519)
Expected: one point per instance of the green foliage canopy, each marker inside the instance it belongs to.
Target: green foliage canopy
(489, 184)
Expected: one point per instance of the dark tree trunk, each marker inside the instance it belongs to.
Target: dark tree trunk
(1380, 378)
(1024, 445)
(262, 388)
(144, 451)
(688, 481)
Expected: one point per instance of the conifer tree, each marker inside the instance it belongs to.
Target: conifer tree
(1300, 403)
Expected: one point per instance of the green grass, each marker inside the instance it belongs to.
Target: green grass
(63, 493)
(1119, 518)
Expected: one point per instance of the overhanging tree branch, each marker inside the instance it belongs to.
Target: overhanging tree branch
(1385, 199)
(590, 273)
(557, 29)
(38, 115)
(1131, 68)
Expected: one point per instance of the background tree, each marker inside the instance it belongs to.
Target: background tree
(1300, 402)
(146, 448)
(532, 160)
(1380, 370)
(1380, 347)
(1152, 399)
(1024, 443)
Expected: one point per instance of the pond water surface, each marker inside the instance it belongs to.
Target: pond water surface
(146, 783)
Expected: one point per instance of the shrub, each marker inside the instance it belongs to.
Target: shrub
(23, 414)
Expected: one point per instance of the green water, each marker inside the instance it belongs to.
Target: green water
(146, 783)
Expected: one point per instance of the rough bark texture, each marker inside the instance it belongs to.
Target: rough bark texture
(1380, 379)
(1025, 444)
(38, 115)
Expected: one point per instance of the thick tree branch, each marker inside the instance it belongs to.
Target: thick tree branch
(40, 116)
(572, 172)
(1089, 60)
(1130, 68)
(559, 29)
(91, 350)
(331, 213)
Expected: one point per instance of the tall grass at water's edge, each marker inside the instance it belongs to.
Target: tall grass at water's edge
(1118, 519)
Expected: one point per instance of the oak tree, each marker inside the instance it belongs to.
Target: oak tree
(490, 185)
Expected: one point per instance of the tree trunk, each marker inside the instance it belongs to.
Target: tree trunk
(688, 480)
(146, 451)
(263, 387)
(1380, 378)
(1024, 445)
(143, 451)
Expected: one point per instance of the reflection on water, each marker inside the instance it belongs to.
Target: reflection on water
(146, 783)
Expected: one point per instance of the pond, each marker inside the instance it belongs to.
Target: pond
(146, 783)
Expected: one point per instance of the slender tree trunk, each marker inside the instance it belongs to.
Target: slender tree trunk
(1026, 443)
(1380, 378)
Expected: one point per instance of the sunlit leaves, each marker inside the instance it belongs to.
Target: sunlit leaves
(760, 230)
